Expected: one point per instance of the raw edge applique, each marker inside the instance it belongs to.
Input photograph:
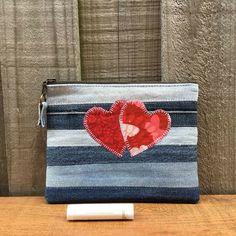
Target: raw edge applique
(142, 129)
(104, 127)
(127, 124)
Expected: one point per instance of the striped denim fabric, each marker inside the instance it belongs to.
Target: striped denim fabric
(81, 170)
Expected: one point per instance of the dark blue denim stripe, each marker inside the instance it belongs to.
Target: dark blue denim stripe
(75, 121)
(59, 156)
(168, 106)
(121, 194)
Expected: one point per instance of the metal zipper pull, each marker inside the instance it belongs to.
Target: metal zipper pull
(51, 81)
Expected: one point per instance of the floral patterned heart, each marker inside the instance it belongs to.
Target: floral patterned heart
(104, 127)
(142, 129)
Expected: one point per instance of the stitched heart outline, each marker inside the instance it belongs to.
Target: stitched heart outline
(127, 124)
(142, 129)
(104, 127)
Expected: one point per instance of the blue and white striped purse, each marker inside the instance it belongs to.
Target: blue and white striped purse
(120, 142)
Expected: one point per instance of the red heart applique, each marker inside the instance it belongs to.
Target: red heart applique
(142, 129)
(104, 127)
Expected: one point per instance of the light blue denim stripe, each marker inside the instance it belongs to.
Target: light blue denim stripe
(59, 94)
(181, 174)
(176, 136)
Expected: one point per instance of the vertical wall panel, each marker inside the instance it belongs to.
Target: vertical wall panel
(4, 188)
(120, 40)
(199, 44)
(3, 158)
(40, 41)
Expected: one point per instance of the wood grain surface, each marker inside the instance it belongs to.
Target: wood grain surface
(199, 45)
(214, 215)
(3, 159)
(120, 40)
(39, 41)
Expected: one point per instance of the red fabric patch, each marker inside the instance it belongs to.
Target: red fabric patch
(127, 124)
(142, 129)
(104, 127)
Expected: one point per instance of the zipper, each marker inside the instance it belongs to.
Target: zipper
(54, 81)
(42, 106)
(43, 98)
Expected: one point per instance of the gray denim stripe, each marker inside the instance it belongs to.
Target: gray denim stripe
(177, 106)
(94, 93)
(182, 174)
(73, 155)
(176, 136)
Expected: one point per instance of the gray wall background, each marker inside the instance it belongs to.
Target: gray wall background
(116, 40)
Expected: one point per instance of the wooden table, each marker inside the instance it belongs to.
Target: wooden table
(214, 215)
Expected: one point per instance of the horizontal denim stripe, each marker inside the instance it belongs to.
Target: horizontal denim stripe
(176, 136)
(150, 106)
(177, 174)
(75, 121)
(121, 194)
(94, 93)
(60, 156)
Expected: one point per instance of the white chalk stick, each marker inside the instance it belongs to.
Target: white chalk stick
(118, 211)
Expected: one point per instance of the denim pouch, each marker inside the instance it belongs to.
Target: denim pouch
(120, 142)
